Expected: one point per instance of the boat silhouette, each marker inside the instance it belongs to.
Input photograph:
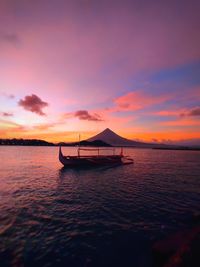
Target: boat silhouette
(94, 160)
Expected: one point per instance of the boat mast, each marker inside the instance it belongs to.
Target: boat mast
(121, 153)
(79, 141)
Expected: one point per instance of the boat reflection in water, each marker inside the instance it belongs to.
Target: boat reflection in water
(94, 160)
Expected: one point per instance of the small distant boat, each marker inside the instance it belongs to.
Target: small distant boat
(94, 160)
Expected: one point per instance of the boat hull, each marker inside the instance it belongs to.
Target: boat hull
(81, 161)
(88, 161)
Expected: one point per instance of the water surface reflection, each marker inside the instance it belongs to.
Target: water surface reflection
(52, 216)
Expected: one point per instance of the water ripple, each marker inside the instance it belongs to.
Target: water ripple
(51, 216)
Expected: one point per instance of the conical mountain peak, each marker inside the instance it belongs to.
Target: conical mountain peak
(107, 130)
(110, 137)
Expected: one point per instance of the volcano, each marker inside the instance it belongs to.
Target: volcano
(111, 138)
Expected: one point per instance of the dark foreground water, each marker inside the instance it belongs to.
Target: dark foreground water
(93, 217)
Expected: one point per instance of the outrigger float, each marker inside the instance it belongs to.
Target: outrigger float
(94, 160)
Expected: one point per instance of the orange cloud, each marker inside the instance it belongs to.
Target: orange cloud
(181, 122)
(168, 113)
(11, 129)
(10, 124)
(44, 126)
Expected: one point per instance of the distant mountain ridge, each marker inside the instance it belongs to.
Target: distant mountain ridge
(24, 142)
(36, 142)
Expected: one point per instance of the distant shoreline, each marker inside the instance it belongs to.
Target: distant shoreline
(178, 148)
(57, 145)
(36, 142)
(85, 143)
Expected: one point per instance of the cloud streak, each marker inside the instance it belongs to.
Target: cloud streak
(8, 96)
(6, 114)
(138, 100)
(44, 126)
(6, 124)
(34, 104)
(192, 112)
(183, 122)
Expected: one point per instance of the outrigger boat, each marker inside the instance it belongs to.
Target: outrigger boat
(94, 160)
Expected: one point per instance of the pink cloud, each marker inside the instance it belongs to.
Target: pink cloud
(138, 100)
(33, 103)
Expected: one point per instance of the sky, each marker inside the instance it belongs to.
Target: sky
(80, 66)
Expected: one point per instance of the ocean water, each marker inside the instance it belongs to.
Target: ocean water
(50, 216)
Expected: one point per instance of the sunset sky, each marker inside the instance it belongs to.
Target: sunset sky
(80, 66)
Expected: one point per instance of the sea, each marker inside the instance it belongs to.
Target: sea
(106, 216)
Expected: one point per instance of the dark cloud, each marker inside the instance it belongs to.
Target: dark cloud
(7, 114)
(11, 38)
(193, 112)
(33, 103)
(85, 115)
